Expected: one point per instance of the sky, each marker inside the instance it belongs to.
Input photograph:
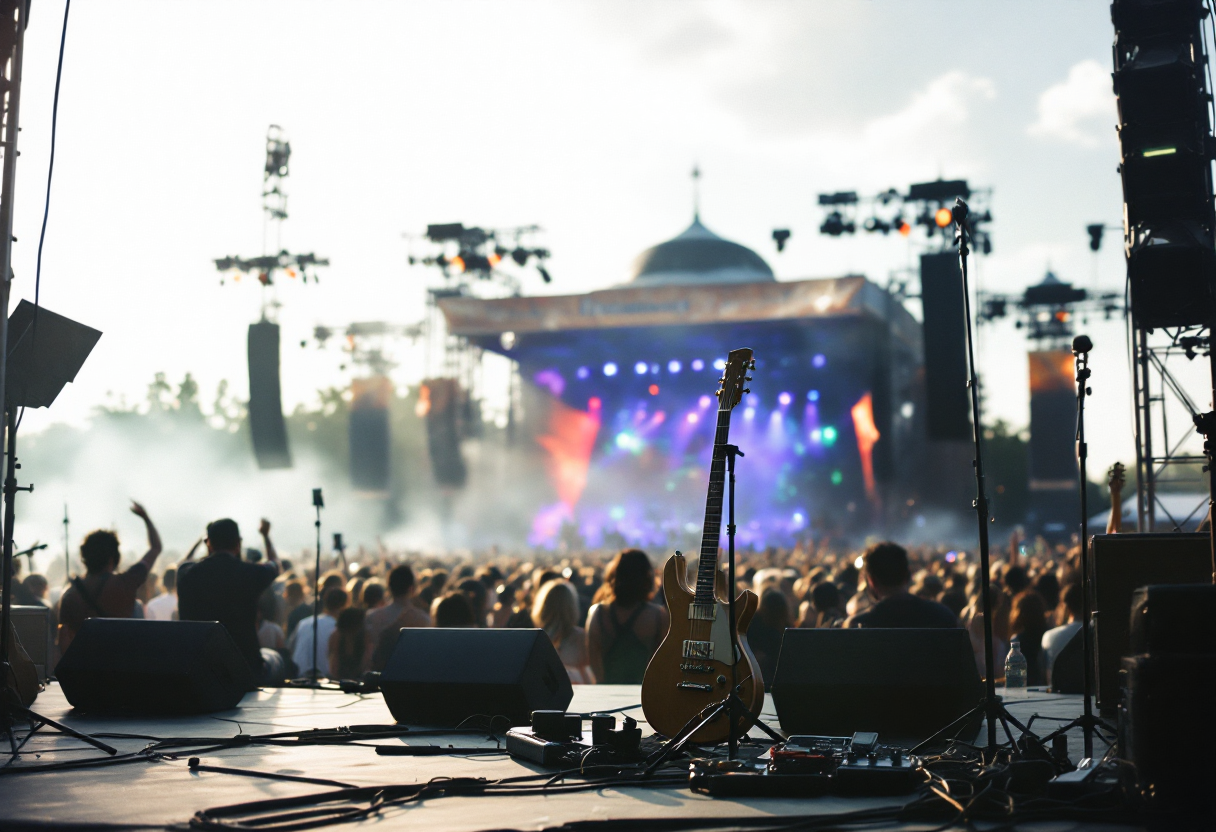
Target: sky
(585, 118)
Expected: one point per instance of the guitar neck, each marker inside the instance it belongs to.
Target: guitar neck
(707, 566)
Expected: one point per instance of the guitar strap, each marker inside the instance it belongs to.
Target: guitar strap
(88, 597)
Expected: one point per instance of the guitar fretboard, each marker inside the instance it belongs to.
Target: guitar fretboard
(707, 566)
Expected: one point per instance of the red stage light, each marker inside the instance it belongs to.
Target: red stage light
(654, 389)
(943, 217)
(905, 229)
(457, 264)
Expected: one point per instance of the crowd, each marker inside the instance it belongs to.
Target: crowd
(604, 614)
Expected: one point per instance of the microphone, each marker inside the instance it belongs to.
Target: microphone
(1082, 345)
(960, 210)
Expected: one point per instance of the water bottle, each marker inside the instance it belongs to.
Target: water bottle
(1015, 671)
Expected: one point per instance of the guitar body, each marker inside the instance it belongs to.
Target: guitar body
(691, 670)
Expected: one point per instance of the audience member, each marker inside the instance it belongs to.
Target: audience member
(373, 595)
(478, 599)
(222, 587)
(298, 608)
(383, 625)
(625, 628)
(766, 630)
(348, 645)
(102, 592)
(334, 601)
(887, 578)
(1028, 624)
(825, 608)
(164, 606)
(556, 611)
(453, 610)
(270, 634)
(1057, 638)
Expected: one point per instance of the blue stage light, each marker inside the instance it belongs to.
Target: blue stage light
(705, 401)
(720, 364)
(609, 369)
(812, 396)
(784, 399)
(817, 436)
(640, 368)
(583, 372)
(749, 413)
(674, 366)
(698, 365)
(654, 368)
(819, 360)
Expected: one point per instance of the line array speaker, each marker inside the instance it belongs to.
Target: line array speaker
(266, 424)
(370, 434)
(947, 409)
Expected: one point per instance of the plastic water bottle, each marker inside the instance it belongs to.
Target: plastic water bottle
(1015, 671)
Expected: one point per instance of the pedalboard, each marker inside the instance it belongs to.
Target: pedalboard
(556, 740)
(810, 766)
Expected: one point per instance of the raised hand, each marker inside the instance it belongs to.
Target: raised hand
(139, 511)
(264, 527)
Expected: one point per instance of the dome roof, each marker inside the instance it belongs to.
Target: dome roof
(699, 256)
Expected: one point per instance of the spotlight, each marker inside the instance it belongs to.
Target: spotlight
(812, 396)
(834, 225)
(784, 399)
(943, 217)
(673, 366)
(1095, 236)
(653, 389)
(582, 372)
(697, 365)
(610, 369)
(640, 368)
(520, 256)
(819, 360)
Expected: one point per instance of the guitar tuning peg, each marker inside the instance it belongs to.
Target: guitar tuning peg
(747, 389)
(747, 378)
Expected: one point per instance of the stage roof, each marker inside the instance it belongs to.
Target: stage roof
(838, 298)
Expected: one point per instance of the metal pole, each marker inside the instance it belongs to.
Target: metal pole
(1150, 472)
(316, 601)
(7, 186)
(1087, 727)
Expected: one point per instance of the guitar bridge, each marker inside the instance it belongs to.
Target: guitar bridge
(698, 649)
(695, 667)
(694, 686)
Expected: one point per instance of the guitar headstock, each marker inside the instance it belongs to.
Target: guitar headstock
(730, 387)
(1116, 478)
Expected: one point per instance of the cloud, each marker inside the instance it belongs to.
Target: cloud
(945, 102)
(1070, 111)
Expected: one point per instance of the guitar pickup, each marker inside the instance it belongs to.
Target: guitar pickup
(694, 686)
(695, 667)
(698, 649)
(702, 612)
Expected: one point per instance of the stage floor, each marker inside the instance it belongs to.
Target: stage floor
(147, 794)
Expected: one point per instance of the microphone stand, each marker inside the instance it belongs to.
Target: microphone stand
(316, 596)
(992, 709)
(1081, 345)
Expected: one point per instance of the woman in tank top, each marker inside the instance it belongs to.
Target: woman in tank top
(625, 628)
(556, 612)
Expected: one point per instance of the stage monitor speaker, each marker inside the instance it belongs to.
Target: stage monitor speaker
(370, 434)
(1067, 672)
(1122, 564)
(443, 431)
(266, 424)
(45, 352)
(947, 408)
(1173, 619)
(441, 676)
(1167, 729)
(33, 626)
(144, 667)
(906, 684)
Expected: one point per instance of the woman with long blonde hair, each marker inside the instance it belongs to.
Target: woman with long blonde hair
(555, 611)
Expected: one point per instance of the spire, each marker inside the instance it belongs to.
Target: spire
(696, 193)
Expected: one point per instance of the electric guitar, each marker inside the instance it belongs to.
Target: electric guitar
(691, 670)
(1115, 481)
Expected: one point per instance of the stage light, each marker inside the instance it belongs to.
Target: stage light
(829, 435)
(494, 259)
(653, 389)
(654, 368)
(799, 518)
(640, 368)
(780, 237)
(609, 369)
(594, 403)
(951, 557)
(784, 399)
(674, 366)
(520, 256)
(457, 263)
(812, 396)
(859, 562)
(1095, 236)
(720, 364)
(697, 365)
(818, 360)
(705, 401)
(943, 217)
(837, 479)
(693, 418)
(1159, 151)
(582, 373)
(904, 228)
(749, 413)
(817, 436)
